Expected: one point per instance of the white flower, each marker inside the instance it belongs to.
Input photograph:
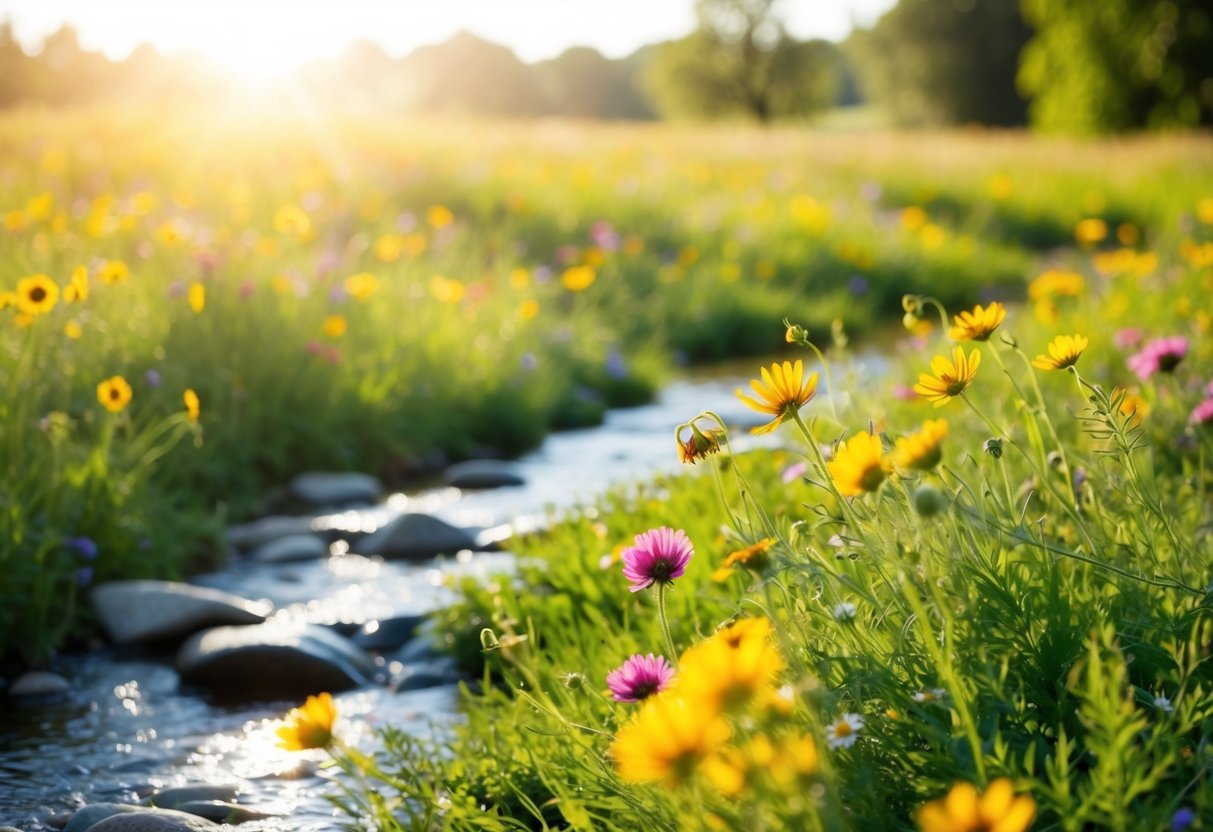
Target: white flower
(1163, 703)
(844, 732)
(844, 611)
(924, 697)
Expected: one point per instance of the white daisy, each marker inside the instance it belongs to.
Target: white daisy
(844, 611)
(844, 732)
(925, 697)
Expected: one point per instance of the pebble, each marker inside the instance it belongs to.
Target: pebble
(155, 611)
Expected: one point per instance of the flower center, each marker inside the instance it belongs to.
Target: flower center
(1168, 362)
(843, 729)
(955, 386)
(872, 477)
(37, 294)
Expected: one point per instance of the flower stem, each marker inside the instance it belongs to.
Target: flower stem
(665, 623)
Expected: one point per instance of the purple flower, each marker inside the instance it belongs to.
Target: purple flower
(1202, 414)
(82, 546)
(794, 472)
(616, 367)
(1182, 819)
(639, 678)
(152, 377)
(84, 576)
(1162, 355)
(858, 284)
(659, 556)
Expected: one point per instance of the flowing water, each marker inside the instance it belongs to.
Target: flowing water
(127, 728)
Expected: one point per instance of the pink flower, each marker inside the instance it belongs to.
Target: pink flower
(794, 472)
(904, 393)
(1202, 414)
(1128, 338)
(639, 678)
(659, 556)
(1162, 355)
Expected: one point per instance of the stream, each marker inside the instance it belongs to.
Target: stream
(127, 728)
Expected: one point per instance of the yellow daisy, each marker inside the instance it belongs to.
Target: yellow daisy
(37, 294)
(753, 557)
(859, 465)
(1064, 351)
(950, 378)
(979, 324)
(731, 668)
(76, 291)
(783, 391)
(667, 740)
(922, 450)
(964, 810)
(334, 326)
(310, 726)
(114, 394)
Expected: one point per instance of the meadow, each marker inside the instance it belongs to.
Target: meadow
(196, 308)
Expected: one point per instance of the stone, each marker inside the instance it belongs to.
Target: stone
(414, 537)
(88, 816)
(174, 797)
(482, 474)
(259, 532)
(428, 675)
(327, 489)
(144, 611)
(277, 660)
(221, 812)
(292, 548)
(153, 820)
(38, 684)
(387, 633)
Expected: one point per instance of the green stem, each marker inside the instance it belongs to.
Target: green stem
(665, 623)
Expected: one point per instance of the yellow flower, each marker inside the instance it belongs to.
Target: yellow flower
(700, 444)
(113, 271)
(667, 740)
(114, 394)
(1056, 282)
(334, 326)
(859, 465)
(578, 278)
(310, 726)
(964, 810)
(1064, 351)
(753, 557)
(388, 248)
(192, 405)
(1090, 231)
(921, 450)
(37, 294)
(1132, 406)
(528, 309)
(197, 298)
(783, 390)
(439, 216)
(979, 324)
(447, 289)
(361, 286)
(950, 377)
(7, 299)
(73, 330)
(76, 291)
(292, 221)
(732, 667)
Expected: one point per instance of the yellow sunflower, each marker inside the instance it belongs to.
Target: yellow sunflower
(76, 291)
(310, 726)
(964, 810)
(667, 740)
(950, 378)
(859, 465)
(732, 668)
(921, 450)
(979, 324)
(114, 394)
(783, 391)
(1064, 351)
(37, 294)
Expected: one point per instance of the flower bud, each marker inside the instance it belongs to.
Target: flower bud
(993, 447)
(929, 501)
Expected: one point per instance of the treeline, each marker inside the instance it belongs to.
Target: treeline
(1092, 67)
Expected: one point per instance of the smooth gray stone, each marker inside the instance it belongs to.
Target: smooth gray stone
(414, 537)
(172, 798)
(258, 532)
(292, 548)
(387, 633)
(9, 829)
(86, 817)
(272, 661)
(141, 611)
(220, 812)
(482, 474)
(38, 684)
(331, 489)
(154, 820)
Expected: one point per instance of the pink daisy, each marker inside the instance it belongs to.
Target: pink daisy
(659, 556)
(1162, 355)
(639, 678)
(1202, 414)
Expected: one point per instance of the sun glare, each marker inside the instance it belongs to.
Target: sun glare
(260, 61)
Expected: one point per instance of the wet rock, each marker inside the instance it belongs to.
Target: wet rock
(259, 532)
(414, 537)
(482, 474)
(38, 684)
(387, 633)
(59, 820)
(292, 548)
(9, 829)
(173, 798)
(428, 675)
(153, 820)
(325, 489)
(88, 816)
(220, 812)
(143, 611)
(272, 661)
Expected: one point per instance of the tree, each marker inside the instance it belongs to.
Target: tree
(1117, 65)
(467, 75)
(583, 83)
(740, 60)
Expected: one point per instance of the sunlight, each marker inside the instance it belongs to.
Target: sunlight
(260, 60)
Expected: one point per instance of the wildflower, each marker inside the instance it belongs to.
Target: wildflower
(732, 667)
(795, 334)
(950, 378)
(1202, 414)
(929, 501)
(1127, 338)
(1055, 282)
(844, 611)
(73, 330)
(82, 546)
(37, 294)
(993, 447)
(1064, 351)
(845, 732)
(979, 324)
(1184, 817)
(794, 472)
(667, 740)
(1132, 406)
(926, 697)
(1161, 355)
(334, 326)
(922, 450)
(292, 221)
(310, 726)
(578, 278)
(192, 405)
(76, 290)
(964, 810)
(528, 309)
(859, 465)
(699, 445)
(1090, 231)
(114, 394)
(197, 297)
(639, 678)
(439, 216)
(83, 576)
(751, 557)
(783, 391)
(658, 557)
(1163, 704)
(113, 271)
(361, 286)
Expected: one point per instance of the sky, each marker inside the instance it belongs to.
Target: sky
(270, 36)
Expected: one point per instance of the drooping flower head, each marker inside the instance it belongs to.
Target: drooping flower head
(1064, 351)
(309, 726)
(979, 324)
(783, 390)
(859, 465)
(1161, 355)
(921, 450)
(639, 678)
(752, 557)
(657, 557)
(114, 394)
(698, 444)
(948, 379)
(964, 810)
